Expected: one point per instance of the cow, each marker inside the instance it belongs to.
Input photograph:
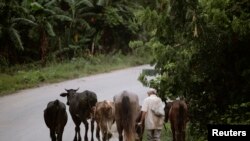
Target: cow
(55, 117)
(177, 113)
(126, 111)
(80, 108)
(104, 114)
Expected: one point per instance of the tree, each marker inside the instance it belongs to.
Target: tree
(201, 52)
(12, 15)
(47, 15)
(113, 24)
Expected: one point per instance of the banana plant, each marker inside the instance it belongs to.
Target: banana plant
(46, 15)
(12, 16)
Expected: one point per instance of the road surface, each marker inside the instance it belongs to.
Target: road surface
(21, 114)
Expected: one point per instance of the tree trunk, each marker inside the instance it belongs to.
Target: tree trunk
(43, 46)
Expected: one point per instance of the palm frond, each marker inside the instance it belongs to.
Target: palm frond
(59, 10)
(102, 3)
(24, 21)
(36, 6)
(32, 17)
(15, 38)
(84, 22)
(48, 11)
(89, 14)
(50, 3)
(49, 29)
(85, 3)
(63, 18)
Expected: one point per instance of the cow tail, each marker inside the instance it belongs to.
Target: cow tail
(127, 119)
(181, 117)
(56, 112)
(57, 106)
(56, 102)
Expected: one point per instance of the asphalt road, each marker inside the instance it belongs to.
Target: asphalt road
(21, 114)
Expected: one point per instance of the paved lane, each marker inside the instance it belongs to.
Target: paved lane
(21, 114)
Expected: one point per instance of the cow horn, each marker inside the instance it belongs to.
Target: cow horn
(66, 90)
(77, 89)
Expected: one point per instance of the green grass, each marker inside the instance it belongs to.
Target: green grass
(21, 77)
(166, 134)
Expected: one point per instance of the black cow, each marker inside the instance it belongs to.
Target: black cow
(55, 117)
(81, 107)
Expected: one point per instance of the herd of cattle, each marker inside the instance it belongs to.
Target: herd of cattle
(124, 110)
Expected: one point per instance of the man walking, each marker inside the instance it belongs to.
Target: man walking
(154, 118)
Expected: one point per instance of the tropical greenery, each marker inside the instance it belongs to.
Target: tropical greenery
(200, 48)
(42, 30)
(201, 52)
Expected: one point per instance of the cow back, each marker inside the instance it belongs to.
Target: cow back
(55, 115)
(81, 105)
(104, 110)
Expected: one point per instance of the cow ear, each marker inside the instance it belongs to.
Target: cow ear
(63, 94)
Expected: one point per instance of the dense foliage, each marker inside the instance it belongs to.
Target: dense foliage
(41, 30)
(201, 51)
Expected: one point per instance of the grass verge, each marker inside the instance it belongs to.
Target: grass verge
(166, 134)
(21, 77)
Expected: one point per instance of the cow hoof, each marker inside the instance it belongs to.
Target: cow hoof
(109, 135)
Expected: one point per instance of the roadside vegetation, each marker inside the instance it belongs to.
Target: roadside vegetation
(46, 41)
(32, 75)
(201, 52)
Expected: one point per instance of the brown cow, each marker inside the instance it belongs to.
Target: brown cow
(178, 117)
(104, 114)
(126, 111)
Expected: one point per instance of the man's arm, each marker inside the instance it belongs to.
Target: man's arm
(142, 117)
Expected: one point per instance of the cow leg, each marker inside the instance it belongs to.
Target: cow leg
(119, 129)
(59, 136)
(98, 132)
(77, 127)
(109, 135)
(92, 129)
(109, 126)
(104, 131)
(77, 133)
(177, 135)
(173, 132)
(183, 135)
(85, 122)
(104, 137)
(52, 135)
